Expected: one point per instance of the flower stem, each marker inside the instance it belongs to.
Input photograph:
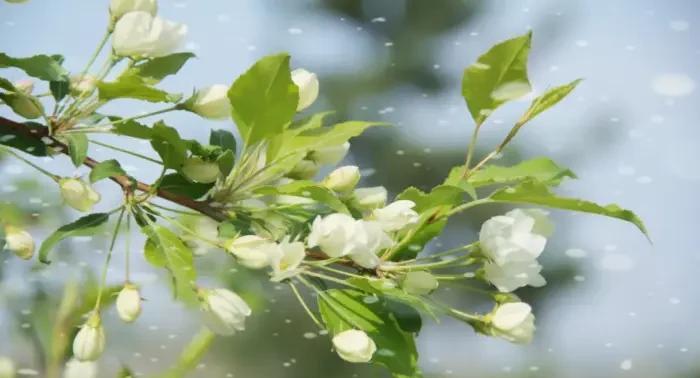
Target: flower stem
(115, 148)
(304, 305)
(103, 280)
(38, 168)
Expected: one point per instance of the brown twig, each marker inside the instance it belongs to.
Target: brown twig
(125, 182)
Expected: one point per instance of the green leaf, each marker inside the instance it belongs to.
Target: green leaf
(2, 239)
(169, 145)
(548, 99)
(86, 226)
(264, 99)
(106, 169)
(24, 143)
(315, 138)
(178, 260)
(77, 148)
(347, 309)
(7, 85)
(154, 70)
(536, 193)
(225, 162)
(432, 207)
(178, 184)
(388, 288)
(498, 76)
(134, 89)
(42, 67)
(59, 89)
(154, 255)
(223, 139)
(132, 129)
(540, 169)
(308, 189)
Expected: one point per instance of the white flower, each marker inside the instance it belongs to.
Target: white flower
(224, 311)
(89, 343)
(129, 303)
(78, 194)
(19, 241)
(118, 8)
(514, 322)
(308, 87)
(419, 283)
(332, 234)
(397, 215)
(212, 102)
(288, 260)
(514, 274)
(367, 239)
(370, 198)
(252, 251)
(199, 170)
(342, 179)
(7, 367)
(139, 34)
(82, 84)
(330, 155)
(25, 86)
(354, 346)
(79, 369)
(519, 235)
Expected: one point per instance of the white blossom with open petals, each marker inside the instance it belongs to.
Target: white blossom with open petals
(397, 215)
(513, 275)
(519, 235)
(141, 35)
(332, 234)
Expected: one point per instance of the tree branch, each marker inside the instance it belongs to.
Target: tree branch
(124, 182)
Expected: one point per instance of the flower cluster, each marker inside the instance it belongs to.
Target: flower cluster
(259, 196)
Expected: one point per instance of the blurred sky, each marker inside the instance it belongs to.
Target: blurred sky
(629, 131)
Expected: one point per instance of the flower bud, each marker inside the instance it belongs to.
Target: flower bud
(19, 241)
(79, 369)
(129, 303)
(89, 343)
(252, 251)
(212, 102)
(330, 155)
(397, 215)
(513, 322)
(82, 84)
(305, 169)
(78, 194)
(342, 179)
(370, 198)
(419, 283)
(24, 105)
(224, 311)
(7, 367)
(354, 346)
(308, 87)
(199, 170)
(25, 86)
(118, 8)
